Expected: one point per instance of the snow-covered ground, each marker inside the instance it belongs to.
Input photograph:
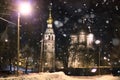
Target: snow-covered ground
(59, 76)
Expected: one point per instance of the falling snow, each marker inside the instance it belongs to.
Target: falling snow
(58, 24)
(116, 7)
(116, 41)
(92, 15)
(64, 35)
(66, 19)
(107, 21)
(97, 4)
(79, 10)
(80, 20)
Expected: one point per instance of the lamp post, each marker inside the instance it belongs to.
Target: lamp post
(98, 43)
(24, 8)
(18, 41)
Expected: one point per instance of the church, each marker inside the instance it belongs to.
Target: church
(76, 52)
(80, 50)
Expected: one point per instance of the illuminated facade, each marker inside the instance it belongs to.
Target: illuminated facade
(48, 46)
(79, 50)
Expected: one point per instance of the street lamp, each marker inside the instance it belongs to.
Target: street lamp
(23, 8)
(98, 43)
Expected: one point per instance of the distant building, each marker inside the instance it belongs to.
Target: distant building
(78, 50)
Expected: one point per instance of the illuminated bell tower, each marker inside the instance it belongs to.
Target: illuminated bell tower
(48, 61)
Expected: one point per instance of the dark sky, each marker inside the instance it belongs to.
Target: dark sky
(100, 17)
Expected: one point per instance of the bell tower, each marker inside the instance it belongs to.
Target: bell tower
(48, 54)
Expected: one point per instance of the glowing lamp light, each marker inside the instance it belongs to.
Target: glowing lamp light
(93, 70)
(6, 40)
(24, 8)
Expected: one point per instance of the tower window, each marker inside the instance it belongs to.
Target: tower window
(52, 37)
(49, 37)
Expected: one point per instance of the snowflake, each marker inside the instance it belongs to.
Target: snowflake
(24, 33)
(107, 3)
(89, 28)
(71, 6)
(119, 71)
(119, 61)
(58, 24)
(51, 4)
(115, 41)
(108, 59)
(108, 55)
(20, 37)
(80, 20)
(66, 19)
(116, 30)
(84, 4)
(109, 63)
(66, 13)
(104, 1)
(92, 15)
(92, 10)
(107, 21)
(96, 4)
(60, 12)
(106, 26)
(116, 7)
(64, 53)
(86, 16)
(113, 0)
(104, 52)
(79, 10)
(84, 19)
(64, 2)
(59, 8)
(101, 30)
(75, 11)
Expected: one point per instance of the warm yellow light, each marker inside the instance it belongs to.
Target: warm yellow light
(24, 8)
(6, 40)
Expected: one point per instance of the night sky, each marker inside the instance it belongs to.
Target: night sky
(100, 17)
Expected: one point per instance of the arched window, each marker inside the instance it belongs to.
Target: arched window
(52, 37)
(49, 37)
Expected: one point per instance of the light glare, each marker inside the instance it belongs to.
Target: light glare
(24, 8)
(6, 40)
(93, 70)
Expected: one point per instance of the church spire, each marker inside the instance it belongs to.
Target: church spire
(50, 19)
